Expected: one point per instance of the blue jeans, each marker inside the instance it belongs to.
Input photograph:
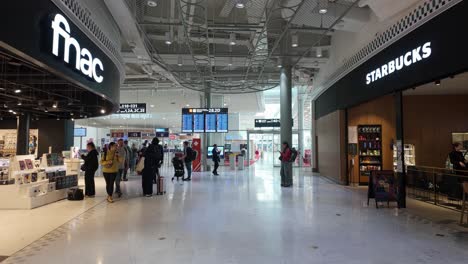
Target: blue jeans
(188, 166)
(286, 173)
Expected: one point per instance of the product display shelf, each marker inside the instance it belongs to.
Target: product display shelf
(409, 155)
(43, 184)
(370, 150)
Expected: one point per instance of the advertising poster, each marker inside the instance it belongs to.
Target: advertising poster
(196, 145)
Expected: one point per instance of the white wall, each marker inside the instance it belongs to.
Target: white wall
(91, 132)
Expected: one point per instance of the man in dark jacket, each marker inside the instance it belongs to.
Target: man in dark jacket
(90, 167)
(216, 159)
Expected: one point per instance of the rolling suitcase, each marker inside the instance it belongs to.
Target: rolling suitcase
(161, 186)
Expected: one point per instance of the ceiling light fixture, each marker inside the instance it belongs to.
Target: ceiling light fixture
(168, 38)
(19, 103)
(73, 119)
(319, 52)
(294, 41)
(17, 91)
(55, 105)
(280, 63)
(230, 61)
(323, 6)
(232, 39)
(11, 111)
(437, 82)
(240, 4)
(103, 111)
(180, 61)
(152, 3)
(152, 105)
(187, 105)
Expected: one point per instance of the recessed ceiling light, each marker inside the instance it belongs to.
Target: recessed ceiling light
(437, 82)
(232, 39)
(11, 111)
(187, 105)
(103, 111)
(17, 91)
(152, 105)
(19, 103)
(55, 105)
(168, 38)
(240, 5)
(152, 3)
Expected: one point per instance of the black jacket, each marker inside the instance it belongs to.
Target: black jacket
(215, 154)
(153, 156)
(455, 158)
(91, 161)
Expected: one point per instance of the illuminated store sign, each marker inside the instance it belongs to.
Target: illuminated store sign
(411, 57)
(84, 61)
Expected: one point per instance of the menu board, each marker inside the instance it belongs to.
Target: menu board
(201, 120)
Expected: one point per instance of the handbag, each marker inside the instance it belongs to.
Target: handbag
(83, 167)
(140, 166)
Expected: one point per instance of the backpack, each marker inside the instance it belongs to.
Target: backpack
(191, 154)
(293, 155)
(159, 152)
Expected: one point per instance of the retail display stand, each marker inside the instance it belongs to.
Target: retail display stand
(370, 151)
(410, 156)
(33, 184)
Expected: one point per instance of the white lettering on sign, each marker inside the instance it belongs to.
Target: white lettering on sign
(84, 61)
(411, 57)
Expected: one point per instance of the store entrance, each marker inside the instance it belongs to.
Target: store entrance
(264, 146)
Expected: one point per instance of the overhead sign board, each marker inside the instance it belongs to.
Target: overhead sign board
(132, 108)
(162, 132)
(135, 134)
(274, 122)
(205, 120)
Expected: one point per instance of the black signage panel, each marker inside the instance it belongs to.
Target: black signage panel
(162, 132)
(267, 123)
(38, 31)
(132, 108)
(201, 120)
(134, 134)
(431, 52)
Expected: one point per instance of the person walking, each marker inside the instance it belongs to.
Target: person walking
(128, 158)
(134, 157)
(187, 158)
(149, 170)
(286, 165)
(90, 167)
(122, 153)
(110, 161)
(216, 159)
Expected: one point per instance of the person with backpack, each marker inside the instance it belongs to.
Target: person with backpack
(286, 165)
(188, 157)
(216, 159)
(159, 160)
(152, 157)
(90, 167)
(110, 161)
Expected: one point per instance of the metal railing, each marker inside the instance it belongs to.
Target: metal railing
(438, 186)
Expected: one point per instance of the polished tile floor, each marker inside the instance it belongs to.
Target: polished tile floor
(245, 217)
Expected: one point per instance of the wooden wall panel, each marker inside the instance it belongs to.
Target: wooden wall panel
(429, 121)
(380, 111)
(331, 146)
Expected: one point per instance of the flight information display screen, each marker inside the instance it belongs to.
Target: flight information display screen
(201, 120)
(198, 123)
(222, 123)
(187, 123)
(210, 123)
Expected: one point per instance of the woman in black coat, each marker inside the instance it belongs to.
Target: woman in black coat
(91, 165)
(150, 168)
